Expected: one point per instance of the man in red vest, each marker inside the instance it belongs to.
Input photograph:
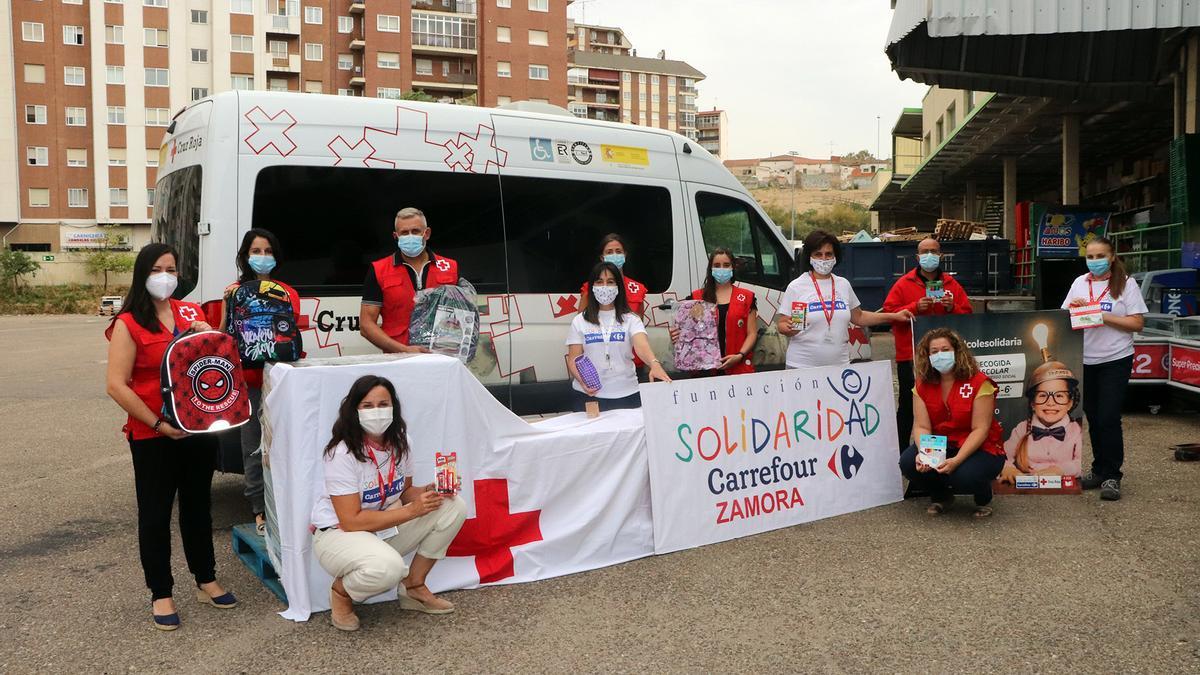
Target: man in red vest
(913, 292)
(392, 284)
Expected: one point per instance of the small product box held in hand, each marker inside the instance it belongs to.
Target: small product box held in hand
(1087, 316)
(446, 467)
(931, 450)
(587, 372)
(799, 316)
(935, 290)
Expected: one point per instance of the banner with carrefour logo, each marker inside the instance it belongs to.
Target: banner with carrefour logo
(742, 454)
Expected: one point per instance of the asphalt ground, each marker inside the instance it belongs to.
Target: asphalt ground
(1049, 583)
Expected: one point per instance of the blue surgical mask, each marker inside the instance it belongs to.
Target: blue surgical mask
(411, 245)
(942, 362)
(929, 261)
(262, 264)
(617, 259)
(1098, 267)
(722, 275)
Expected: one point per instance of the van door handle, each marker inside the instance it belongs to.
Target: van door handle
(668, 305)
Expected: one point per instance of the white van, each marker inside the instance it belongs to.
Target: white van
(519, 199)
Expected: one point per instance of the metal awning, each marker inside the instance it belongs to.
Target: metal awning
(1030, 129)
(1109, 49)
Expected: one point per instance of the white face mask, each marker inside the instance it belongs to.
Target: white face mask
(375, 421)
(161, 285)
(823, 267)
(605, 295)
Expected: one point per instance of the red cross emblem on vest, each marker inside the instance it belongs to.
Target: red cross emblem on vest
(188, 313)
(634, 287)
(443, 265)
(966, 390)
(741, 297)
(493, 533)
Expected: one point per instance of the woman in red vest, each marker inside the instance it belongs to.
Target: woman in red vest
(256, 259)
(737, 315)
(953, 398)
(166, 460)
(612, 250)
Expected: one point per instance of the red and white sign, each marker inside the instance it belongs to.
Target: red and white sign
(1185, 365)
(1151, 361)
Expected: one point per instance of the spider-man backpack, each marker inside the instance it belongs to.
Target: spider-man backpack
(202, 383)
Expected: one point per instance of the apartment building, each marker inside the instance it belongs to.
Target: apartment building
(95, 83)
(655, 92)
(600, 39)
(712, 130)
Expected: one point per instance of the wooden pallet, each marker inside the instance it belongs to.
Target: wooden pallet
(252, 550)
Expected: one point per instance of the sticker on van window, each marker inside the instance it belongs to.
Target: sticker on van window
(581, 152)
(624, 155)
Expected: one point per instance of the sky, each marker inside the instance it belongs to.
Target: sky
(793, 75)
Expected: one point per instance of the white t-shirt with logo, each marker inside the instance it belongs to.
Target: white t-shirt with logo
(345, 475)
(809, 348)
(609, 346)
(1105, 343)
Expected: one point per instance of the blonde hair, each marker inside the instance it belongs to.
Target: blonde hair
(965, 366)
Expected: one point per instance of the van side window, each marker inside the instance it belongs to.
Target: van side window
(332, 222)
(730, 223)
(176, 216)
(554, 229)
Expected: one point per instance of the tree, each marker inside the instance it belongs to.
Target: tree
(16, 264)
(860, 157)
(111, 256)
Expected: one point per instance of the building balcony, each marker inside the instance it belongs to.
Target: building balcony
(428, 43)
(358, 44)
(453, 81)
(284, 63)
(688, 91)
(450, 6)
(605, 103)
(284, 25)
(358, 79)
(357, 7)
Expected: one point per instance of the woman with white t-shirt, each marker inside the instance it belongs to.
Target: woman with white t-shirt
(608, 333)
(370, 514)
(1107, 359)
(818, 307)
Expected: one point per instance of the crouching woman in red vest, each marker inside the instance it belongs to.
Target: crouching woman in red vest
(166, 460)
(953, 398)
(390, 288)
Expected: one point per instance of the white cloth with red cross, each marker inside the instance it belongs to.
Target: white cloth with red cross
(557, 497)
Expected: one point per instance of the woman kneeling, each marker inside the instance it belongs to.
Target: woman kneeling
(953, 398)
(371, 515)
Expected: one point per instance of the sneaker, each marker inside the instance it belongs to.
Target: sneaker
(1110, 490)
(1090, 481)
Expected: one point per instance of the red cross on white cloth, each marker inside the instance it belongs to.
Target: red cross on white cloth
(493, 533)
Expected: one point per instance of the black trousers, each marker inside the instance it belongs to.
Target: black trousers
(904, 399)
(1104, 387)
(163, 468)
(973, 477)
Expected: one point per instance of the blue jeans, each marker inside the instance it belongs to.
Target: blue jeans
(973, 477)
(1104, 387)
(580, 399)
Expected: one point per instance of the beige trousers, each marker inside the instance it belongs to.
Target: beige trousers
(369, 565)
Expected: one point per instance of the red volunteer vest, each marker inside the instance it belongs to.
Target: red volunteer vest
(145, 378)
(737, 321)
(399, 294)
(952, 418)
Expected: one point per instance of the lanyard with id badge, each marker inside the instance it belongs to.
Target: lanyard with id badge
(832, 304)
(1090, 315)
(383, 487)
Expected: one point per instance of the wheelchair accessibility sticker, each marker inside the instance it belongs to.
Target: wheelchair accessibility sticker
(541, 149)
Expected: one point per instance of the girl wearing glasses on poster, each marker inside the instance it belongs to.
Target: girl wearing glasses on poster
(1049, 443)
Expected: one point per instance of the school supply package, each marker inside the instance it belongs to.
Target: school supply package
(587, 372)
(446, 320)
(260, 317)
(203, 387)
(931, 450)
(697, 347)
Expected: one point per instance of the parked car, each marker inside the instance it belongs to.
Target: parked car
(110, 305)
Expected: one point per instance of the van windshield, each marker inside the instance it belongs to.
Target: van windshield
(176, 216)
